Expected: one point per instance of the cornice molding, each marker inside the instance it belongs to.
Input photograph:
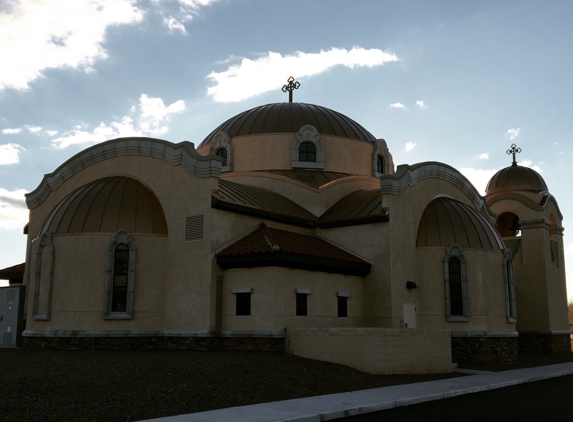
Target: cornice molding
(183, 154)
(407, 175)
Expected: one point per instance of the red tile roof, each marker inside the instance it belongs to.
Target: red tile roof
(268, 246)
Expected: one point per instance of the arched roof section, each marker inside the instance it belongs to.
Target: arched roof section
(406, 175)
(107, 205)
(289, 118)
(446, 221)
(182, 154)
(516, 178)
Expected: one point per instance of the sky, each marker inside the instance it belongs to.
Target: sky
(450, 81)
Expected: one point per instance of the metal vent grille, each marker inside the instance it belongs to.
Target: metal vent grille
(194, 227)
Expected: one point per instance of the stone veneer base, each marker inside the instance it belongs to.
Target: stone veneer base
(157, 343)
(484, 349)
(544, 343)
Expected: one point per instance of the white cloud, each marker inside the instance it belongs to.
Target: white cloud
(52, 132)
(186, 10)
(36, 35)
(513, 133)
(174, 25)
(151, 121)
(410, 146)
(397, 105)
(484, 156)
(269, 72)
(478, 177)
(13, 209)
(34, 129)
(10, 153)
(421, 104)
(529, 163)
(11, 131)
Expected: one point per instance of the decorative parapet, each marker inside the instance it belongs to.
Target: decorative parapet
(545, 200)
(407, 175)
(183, 154)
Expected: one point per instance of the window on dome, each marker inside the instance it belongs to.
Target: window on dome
(380, 164)
(222, 152)
(456, 300)
(307, 152)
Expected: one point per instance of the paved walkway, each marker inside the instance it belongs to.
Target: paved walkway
(332, 406)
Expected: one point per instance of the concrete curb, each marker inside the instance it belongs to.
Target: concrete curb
(333, 406)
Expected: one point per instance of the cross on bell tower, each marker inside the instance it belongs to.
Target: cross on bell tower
(513, 150)
(290, 87)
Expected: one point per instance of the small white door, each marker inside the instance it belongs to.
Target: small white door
(409, 315)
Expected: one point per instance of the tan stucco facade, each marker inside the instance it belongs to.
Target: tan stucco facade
(370, 274)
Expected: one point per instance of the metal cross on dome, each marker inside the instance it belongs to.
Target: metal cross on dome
(513, 150)
(290, 87)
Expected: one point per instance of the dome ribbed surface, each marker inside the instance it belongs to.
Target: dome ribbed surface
(107, 205)
(514, 178)
(446, 221)
(289, 118)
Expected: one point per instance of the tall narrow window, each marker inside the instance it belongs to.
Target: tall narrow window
(243, 303)
(456, 281)
(120, 273)
(307, 152)
(380, 164)
(301, 304)
(456, 298)
(120, 276)
(509, 282)
(222, 152)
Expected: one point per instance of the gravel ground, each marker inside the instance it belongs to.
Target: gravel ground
(51, 385)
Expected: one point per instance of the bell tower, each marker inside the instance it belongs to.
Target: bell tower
(530, 223)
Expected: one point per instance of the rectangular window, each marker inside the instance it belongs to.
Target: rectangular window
(243, 303)
(342, 306)
(301, 304)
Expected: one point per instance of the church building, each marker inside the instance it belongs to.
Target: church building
(288, 228)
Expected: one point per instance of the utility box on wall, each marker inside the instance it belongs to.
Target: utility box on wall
(12, 315)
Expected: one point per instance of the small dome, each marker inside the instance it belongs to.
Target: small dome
(107, 205)
(289, 118)
(446, 221)
(516, 178)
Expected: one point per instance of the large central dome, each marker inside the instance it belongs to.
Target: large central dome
(289, 118)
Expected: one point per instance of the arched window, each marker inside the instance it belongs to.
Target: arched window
(120, 273)
(456, 299)
(455, 275)
(222, 152)
(307, 152)
(44, 278)
(120, 276)
(509, 281)
(507, 225)
(380, 164)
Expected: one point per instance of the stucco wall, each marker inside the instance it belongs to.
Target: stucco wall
(273, 299)
(273, 152)
(375, 350)
(172, 287)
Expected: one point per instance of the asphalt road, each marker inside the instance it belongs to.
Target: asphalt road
(548, 400)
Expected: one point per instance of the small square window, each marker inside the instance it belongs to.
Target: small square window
(243, 303)
(342, 306)
(301, 304)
